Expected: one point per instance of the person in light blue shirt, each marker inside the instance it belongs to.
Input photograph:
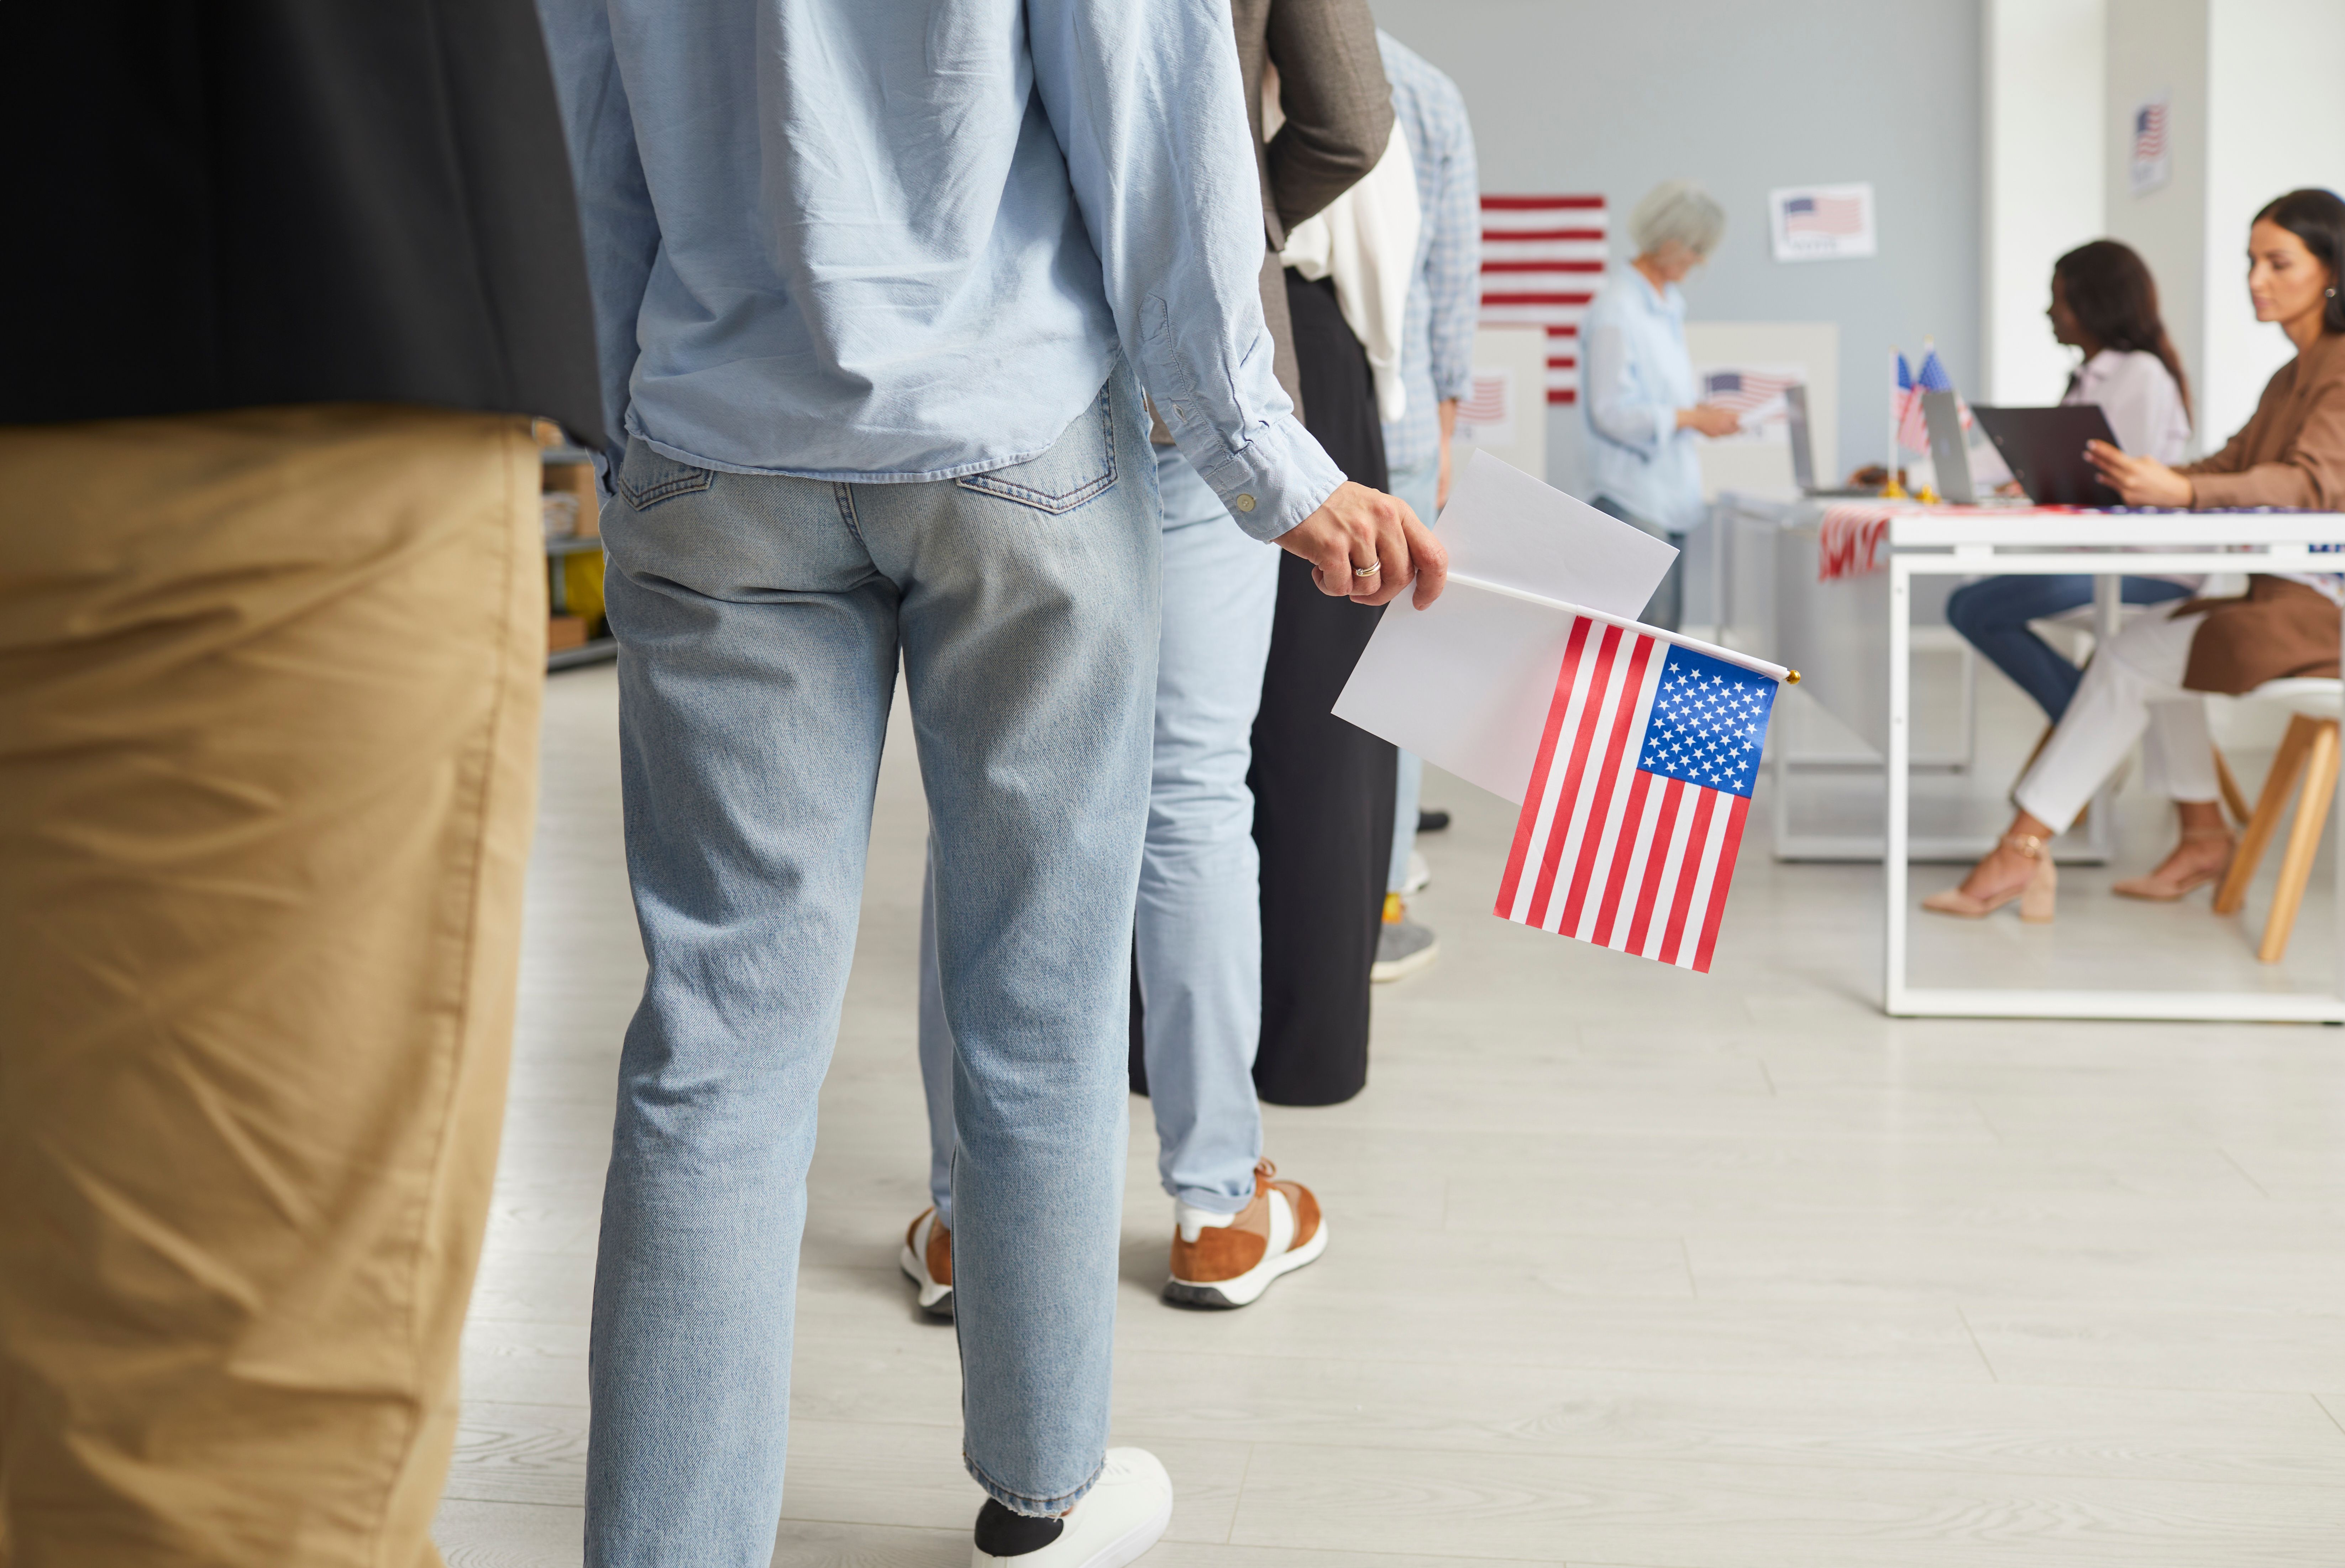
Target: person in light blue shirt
(1437, 367)
(878, 290)
(1636, 383)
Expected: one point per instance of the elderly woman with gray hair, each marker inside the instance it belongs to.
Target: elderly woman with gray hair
(1636, 382)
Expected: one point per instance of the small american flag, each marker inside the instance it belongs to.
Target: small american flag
(2149, 132)
(1744, 392)
(1488, 402)
(1542, 258)
(1823, 215)
(1912, 424)
(1635, 808)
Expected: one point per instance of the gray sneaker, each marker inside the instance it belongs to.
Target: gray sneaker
(1403, 947)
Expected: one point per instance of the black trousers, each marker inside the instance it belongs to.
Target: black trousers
(1323, 791)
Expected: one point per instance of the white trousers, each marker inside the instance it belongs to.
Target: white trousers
(2132, 684)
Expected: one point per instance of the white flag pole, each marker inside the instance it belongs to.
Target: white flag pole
(1748, 661)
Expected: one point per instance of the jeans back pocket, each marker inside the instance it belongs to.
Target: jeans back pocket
(1079, 467)
(647, 477)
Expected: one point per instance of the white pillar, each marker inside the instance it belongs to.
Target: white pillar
(2042, 120)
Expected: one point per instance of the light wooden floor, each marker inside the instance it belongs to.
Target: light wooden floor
(1629, 1266)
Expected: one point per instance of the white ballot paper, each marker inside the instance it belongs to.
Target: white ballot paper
(1466, 684)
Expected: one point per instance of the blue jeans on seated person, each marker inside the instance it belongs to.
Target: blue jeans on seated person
(759, 620)
(1993, 615)
(1197, 937)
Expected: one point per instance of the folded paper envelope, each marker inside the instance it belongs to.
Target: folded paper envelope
(1466, 685)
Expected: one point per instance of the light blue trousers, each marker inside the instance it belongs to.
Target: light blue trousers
(1417, 486)
(1197, 937)
(760, 620)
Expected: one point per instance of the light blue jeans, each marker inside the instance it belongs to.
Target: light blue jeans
(1198, 933)
(759, 622)
(1418, 486)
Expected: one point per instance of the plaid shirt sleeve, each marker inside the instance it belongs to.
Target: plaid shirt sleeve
(1453, 264)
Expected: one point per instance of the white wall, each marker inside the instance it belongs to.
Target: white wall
(2042, 73)
(2278, 124)
(1615, 94)
(2155, 44)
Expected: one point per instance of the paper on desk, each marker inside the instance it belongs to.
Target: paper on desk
(1466, 685)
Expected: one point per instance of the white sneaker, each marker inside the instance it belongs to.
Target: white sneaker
(1419, 875)
(927, 1258)
(1121, 1517)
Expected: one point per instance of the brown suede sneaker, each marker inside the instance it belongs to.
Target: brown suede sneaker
(927, 1259)
(1229, 1260)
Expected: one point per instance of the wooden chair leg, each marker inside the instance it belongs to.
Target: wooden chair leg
(2233, 796)
(2303, 841)
(2270, 805)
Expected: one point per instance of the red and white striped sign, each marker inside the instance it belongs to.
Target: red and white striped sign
(1635, 809)
(1543, 257)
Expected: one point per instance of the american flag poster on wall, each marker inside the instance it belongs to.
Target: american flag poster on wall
(1821, 222)
(1634, 814)
(1543, 257)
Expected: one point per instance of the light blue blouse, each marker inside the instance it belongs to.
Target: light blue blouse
(1634, 375)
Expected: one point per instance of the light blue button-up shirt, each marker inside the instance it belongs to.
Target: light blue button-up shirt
(1445, 291)
(903, 242)
(1634, 376)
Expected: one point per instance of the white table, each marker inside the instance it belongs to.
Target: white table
(2104, 544)
(1771, 603)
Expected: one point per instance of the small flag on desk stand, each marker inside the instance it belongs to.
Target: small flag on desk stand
(1635, 809)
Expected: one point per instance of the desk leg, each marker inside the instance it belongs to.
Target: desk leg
(2101, 831)
(1894, 777)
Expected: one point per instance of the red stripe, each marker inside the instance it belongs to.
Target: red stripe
(1720, 881)
(1561, 394)
(1542, 266)
(1561, 362)
(1597, 235)
(1608, 913)
(1490, 299)
(1648, 891)
(1528, 818)
(1622, 718)
(1559, 829)
(1563, 328)
(1542, 203)
(1689, 873)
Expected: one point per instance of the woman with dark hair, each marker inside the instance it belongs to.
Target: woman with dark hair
(2104, 304)
(2290, 453)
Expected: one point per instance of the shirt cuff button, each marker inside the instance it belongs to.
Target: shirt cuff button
(1244, 503)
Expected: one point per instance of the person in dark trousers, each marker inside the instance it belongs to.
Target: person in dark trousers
(1196, 1006)
(287, 283)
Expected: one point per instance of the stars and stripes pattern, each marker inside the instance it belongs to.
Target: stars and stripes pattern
(1833, 215)
(1745, 391)
(1636, 806)
(1913, 424)
(1542, 260)
(2149, 132)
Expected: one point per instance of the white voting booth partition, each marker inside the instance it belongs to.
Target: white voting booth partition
(1505, 414)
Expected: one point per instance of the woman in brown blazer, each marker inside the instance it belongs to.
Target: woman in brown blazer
(2291, 454)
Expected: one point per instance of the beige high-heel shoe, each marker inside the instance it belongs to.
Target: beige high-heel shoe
(2036, 896)
(2165, 890)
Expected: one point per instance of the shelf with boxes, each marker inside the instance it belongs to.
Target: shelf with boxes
(576, 633)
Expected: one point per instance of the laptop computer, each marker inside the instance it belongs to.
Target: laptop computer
(2045, 450)
(1803, 452)
(1950, 451)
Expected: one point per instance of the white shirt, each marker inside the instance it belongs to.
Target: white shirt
(1366, 240)
(2137, 395)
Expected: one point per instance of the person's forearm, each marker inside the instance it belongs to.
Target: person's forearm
(1147, 106)
(1448, 418)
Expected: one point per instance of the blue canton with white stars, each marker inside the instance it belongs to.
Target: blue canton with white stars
(1709, 723)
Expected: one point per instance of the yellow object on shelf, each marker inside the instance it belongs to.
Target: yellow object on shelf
(582, 586)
